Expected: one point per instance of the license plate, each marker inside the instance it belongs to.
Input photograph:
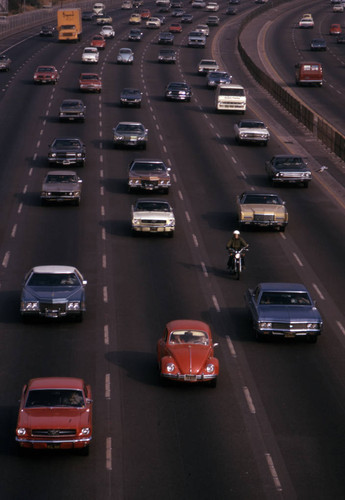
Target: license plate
(53, 446)
(190, 377)
(289, 335)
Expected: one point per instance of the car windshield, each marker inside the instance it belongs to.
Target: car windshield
(152, 206)
(189, 337)
(71, 104)
(60, 178)
(90, 51)
(66, 144)
(257, 199)
(231, 92)
(89, 77)
(55, 398)
(289, 162)
(3, 58)
(148, 167)
(53, 279)
(44, 69)
(285, 299)
(131, 92)
(130, 128)
(246, 124)
(125, 51)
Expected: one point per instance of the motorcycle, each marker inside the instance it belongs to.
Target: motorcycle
(236, 261)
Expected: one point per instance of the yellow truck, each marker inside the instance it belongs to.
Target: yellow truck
(69, 24)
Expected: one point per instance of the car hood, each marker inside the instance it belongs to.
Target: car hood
(190, 358)
(251, 130)
(53, 294)
(145, 214)
(49, 418)
(148, 175)
(289, 313)
(59, 187)
(263, 209)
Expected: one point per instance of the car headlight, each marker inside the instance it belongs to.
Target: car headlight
(118, 138)
(53, 155)
(210, 368)
(136, 222)
(265, 324)
(85, 431)
(312, 326)
(73, 306)
(30, 306)
(79, 155)
(21, 431)
(170, 367)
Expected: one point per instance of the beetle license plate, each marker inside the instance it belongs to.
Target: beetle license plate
(190, 377)
(53, 446)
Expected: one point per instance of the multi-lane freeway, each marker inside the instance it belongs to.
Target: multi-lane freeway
(273, 427)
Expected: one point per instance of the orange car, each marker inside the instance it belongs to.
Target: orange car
(335, 29)
(99, 42)
(90, 82)
(55, 413)
(185, 353)
(145, 14)
(175, 28)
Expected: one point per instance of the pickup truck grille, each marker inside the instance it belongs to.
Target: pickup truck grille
(154, 222)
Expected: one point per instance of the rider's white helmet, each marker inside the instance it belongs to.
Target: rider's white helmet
(236, 231)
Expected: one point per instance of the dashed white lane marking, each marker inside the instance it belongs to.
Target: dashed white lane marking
(105, 294)
(204, 269)
(215, 303)
(195, 239)
(106, 334)
(299, 262)
(341, 327)
(104, 234)
(6, 259)
(102, 210)
(180, 195)
(231, 346)
(14, 230)
(107, 385)
(318, 291)
(108, 464)
(249, 400)
(273, 472)
(187, 216)
(104, 261)
(20, 208)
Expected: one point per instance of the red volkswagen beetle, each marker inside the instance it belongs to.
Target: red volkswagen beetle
(185, 353)
(99, 42)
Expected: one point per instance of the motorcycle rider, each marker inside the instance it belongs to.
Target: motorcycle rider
(235, 243)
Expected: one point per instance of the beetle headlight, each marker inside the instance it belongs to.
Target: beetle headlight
(210, 368)
(21, 431)
(85, 431)
(170, 367)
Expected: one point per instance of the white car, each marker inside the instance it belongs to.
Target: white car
(254, 131)
(153, 22)
(306, 22)
(127, 4)
(338, 7)
(152, 216)
(198, 4)
(212, 7)
(98, 8)
(203, 28)
(90, 55)
(125, 56)
(107, 31)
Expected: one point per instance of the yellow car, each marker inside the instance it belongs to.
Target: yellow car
(264, 210)
(135, 19)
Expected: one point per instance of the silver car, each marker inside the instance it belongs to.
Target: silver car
(153, 216)
(61, 186)
(131, 134)
(90, 55)
(285, 310)
(251, 131)
(53, 292)
(125, 56)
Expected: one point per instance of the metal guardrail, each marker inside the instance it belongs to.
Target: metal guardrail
(39, 17)
(320, 127)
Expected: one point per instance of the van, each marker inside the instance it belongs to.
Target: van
(309, 73)
(231, 97)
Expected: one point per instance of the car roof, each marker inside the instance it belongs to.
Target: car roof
(283, 287)
(188, 324)
(56, 383)
(130, 123)
(61, 172)
(53, 269)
